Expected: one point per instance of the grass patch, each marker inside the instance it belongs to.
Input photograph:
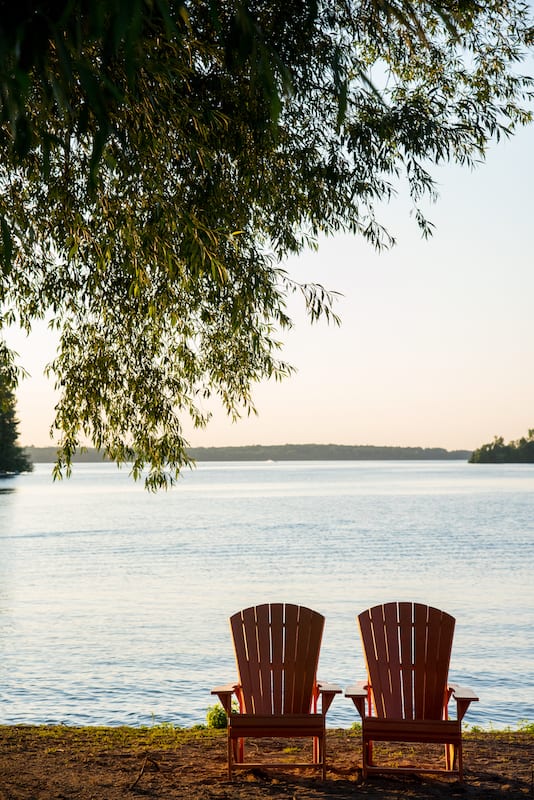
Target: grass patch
(526, 727)
(523, 726)
(166, 735)
(161, 737)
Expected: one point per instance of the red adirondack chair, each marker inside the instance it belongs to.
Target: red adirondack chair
(277, 651)
(405, 698)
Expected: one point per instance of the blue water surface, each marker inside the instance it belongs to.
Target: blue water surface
(114, 602)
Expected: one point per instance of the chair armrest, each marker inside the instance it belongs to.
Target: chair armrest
(462, 692)
(224, 693)
(327, 692)
(358, 693)
(358, 689)
(463, 696)
(328, 687)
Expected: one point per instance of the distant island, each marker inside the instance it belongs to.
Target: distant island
(285, 452)
(520, 451)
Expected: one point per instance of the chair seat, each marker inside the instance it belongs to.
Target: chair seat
(446, 731)
(275, 725)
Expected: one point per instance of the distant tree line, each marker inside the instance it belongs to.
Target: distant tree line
(286, 452)
(520, 451)
(323, 452)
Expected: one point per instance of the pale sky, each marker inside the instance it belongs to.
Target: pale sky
(436, 347)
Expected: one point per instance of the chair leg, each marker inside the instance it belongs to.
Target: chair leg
(367, 756)
(236, 753)
(319, 752)
(453, 758)
(460, 763)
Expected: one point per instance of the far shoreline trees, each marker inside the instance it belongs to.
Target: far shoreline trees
(520, 451)
(13, 458)
(285, 452)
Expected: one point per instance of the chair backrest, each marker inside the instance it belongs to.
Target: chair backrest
(407, 648)
(277, 652)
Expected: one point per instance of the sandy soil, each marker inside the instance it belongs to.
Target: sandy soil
(41, 763)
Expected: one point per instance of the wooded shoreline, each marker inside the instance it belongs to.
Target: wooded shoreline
(286, 452)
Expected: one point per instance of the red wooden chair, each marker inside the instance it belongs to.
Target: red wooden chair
(407, 649)
(277, 651)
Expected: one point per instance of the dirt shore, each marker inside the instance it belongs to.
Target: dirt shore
(61, 763)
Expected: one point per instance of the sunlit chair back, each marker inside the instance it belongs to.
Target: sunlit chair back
(277, 653)
(407, 649)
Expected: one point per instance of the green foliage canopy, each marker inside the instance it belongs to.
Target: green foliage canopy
(159, 160)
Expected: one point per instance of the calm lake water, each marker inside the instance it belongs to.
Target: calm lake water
(114, 602)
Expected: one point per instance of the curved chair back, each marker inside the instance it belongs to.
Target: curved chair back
(407, 648)
(277, 649)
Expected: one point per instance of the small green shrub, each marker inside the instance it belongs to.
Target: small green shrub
(216, 717)
(525, 726)
(468, 728)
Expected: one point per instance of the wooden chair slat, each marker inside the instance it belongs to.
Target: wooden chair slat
(261, 634)
(240, 648)
(244, 632)
(309, 636)
(444, 656)
(278, 638)
(373, 630)
(291, 674)
(420, 659)
(393, 661)
(430, 709)
(406, 639)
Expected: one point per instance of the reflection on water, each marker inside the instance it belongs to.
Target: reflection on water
(7, 484)
(114, 602)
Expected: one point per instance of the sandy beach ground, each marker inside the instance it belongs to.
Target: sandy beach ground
(60, 763)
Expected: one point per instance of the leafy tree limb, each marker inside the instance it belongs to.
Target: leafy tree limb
(159, 160)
